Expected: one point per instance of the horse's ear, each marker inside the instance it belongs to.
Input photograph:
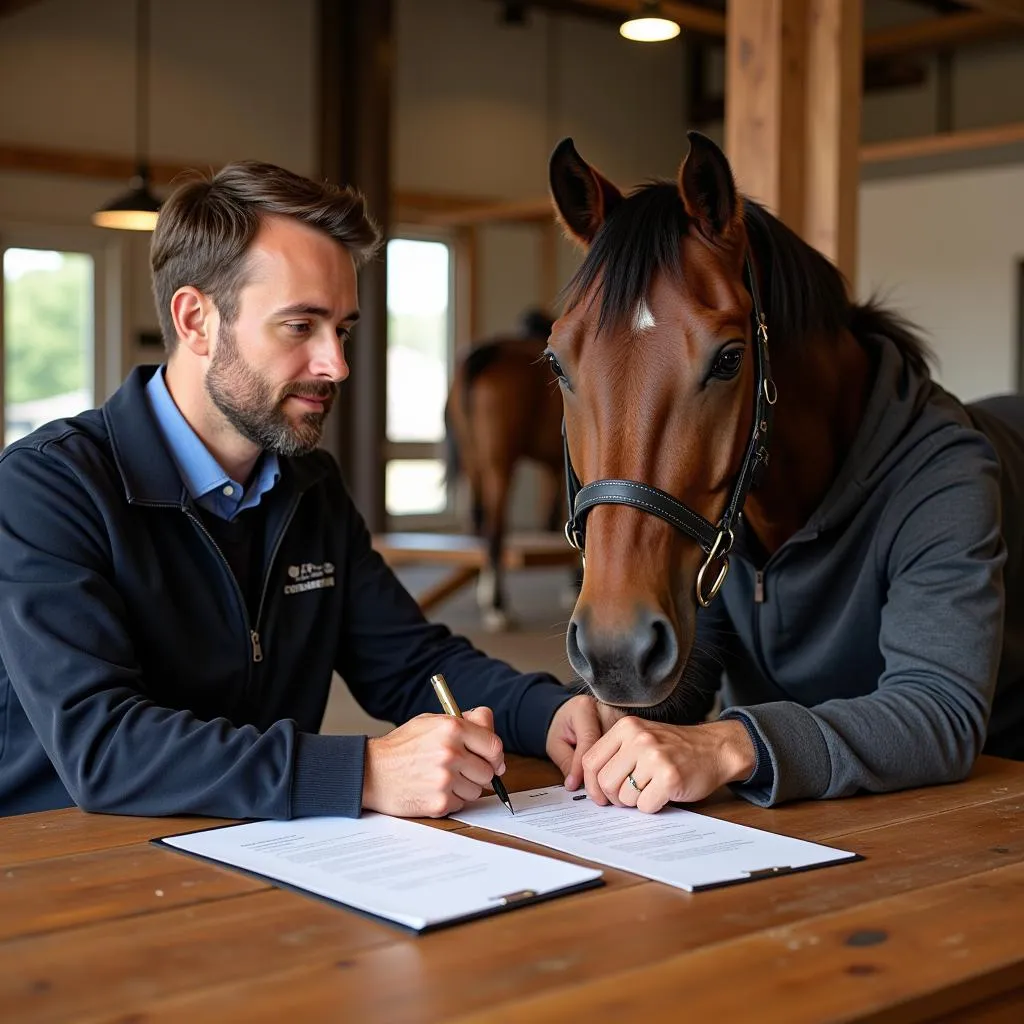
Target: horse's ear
(707, 188)
(582, 196)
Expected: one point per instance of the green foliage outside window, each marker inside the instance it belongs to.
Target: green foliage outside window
(48, 327)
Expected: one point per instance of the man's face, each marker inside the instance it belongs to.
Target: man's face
(275, 371)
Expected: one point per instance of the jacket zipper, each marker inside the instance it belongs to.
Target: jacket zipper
(254, 637)
(756, 650)
(256, 647)
(257, 650)
(760, 598)
(254, 634)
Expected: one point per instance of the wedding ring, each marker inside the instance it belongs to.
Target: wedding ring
(632, 782)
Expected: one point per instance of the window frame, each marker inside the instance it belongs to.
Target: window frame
(415, 451)
(111, 349)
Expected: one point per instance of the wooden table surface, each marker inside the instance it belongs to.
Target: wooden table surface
(98, 925)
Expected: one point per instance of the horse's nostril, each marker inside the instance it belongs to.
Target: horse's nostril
(579, 661)
(656, 650)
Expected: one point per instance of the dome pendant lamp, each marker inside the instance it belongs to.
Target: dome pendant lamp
(137, 209)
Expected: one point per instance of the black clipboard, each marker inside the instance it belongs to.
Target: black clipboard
(775, 872)
(504, 902)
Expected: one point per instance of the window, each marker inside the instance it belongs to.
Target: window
(49, 337)
(420, 341)
(63, 348)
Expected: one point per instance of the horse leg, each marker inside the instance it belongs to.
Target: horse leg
(476, 500)
(477, 511)
(495, 480)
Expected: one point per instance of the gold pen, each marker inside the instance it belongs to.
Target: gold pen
(444, 695)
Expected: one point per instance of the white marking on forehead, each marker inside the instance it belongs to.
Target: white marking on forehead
(643, 318)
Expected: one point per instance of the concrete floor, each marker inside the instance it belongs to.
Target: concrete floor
(536, 644)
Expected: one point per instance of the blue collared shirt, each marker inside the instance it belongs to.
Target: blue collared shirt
(205, 480)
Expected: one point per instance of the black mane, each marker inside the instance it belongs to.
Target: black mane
(802, 292)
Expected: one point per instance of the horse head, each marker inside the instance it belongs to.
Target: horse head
(661, 354)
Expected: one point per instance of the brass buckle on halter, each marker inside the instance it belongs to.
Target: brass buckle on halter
(719, 550)
(575, 539)
(572, 535)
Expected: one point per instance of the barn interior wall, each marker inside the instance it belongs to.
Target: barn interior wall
(478, 107)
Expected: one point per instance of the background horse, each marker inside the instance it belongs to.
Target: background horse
(504, 406)
(662, 355)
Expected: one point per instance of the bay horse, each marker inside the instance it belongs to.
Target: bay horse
(503, 407)
(673, 405)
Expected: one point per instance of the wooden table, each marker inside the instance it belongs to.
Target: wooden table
(98, 925)
(466, 556)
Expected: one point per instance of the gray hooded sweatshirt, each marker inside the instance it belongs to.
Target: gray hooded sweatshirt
(882, 646)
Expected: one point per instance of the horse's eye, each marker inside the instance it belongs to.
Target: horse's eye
(728, 363)
(556, 366)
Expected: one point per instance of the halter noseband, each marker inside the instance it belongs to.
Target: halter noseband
(716, 541)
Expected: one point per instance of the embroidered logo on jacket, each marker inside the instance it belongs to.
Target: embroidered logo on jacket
(309, 576)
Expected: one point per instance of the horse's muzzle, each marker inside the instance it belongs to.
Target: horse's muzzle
(637, 667)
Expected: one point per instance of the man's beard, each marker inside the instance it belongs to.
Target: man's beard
(250, 405)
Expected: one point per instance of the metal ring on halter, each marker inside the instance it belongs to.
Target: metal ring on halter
(771, 394)
(719, 550)
(572, 535)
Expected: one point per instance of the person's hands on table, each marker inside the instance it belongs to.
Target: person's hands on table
(575, 728)
(667, 763)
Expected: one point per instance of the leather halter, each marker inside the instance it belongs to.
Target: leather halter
(715, 540)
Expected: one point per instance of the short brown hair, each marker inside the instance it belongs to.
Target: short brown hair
(205, 228)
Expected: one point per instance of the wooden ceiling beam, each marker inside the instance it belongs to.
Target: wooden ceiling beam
(10, 6)
(948, 32)
(964, 140)
(100, 166)
(1007, 8)
(418, 205)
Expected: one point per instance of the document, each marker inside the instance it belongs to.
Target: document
(411, 874)
(682, 848)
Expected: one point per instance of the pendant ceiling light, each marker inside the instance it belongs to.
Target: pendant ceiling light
(137, 209)
(649, 26)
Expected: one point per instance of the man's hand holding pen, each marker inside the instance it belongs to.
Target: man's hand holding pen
(432, 765)
(436, 764)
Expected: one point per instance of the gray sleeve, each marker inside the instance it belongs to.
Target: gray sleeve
(941, 636)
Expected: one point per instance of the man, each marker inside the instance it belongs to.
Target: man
(181, 570)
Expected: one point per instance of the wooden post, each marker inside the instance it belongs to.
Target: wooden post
(792, 114)
(764, 102)
(355, 121)
(832, 170)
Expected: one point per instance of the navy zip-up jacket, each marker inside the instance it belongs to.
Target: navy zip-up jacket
(131, 677)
